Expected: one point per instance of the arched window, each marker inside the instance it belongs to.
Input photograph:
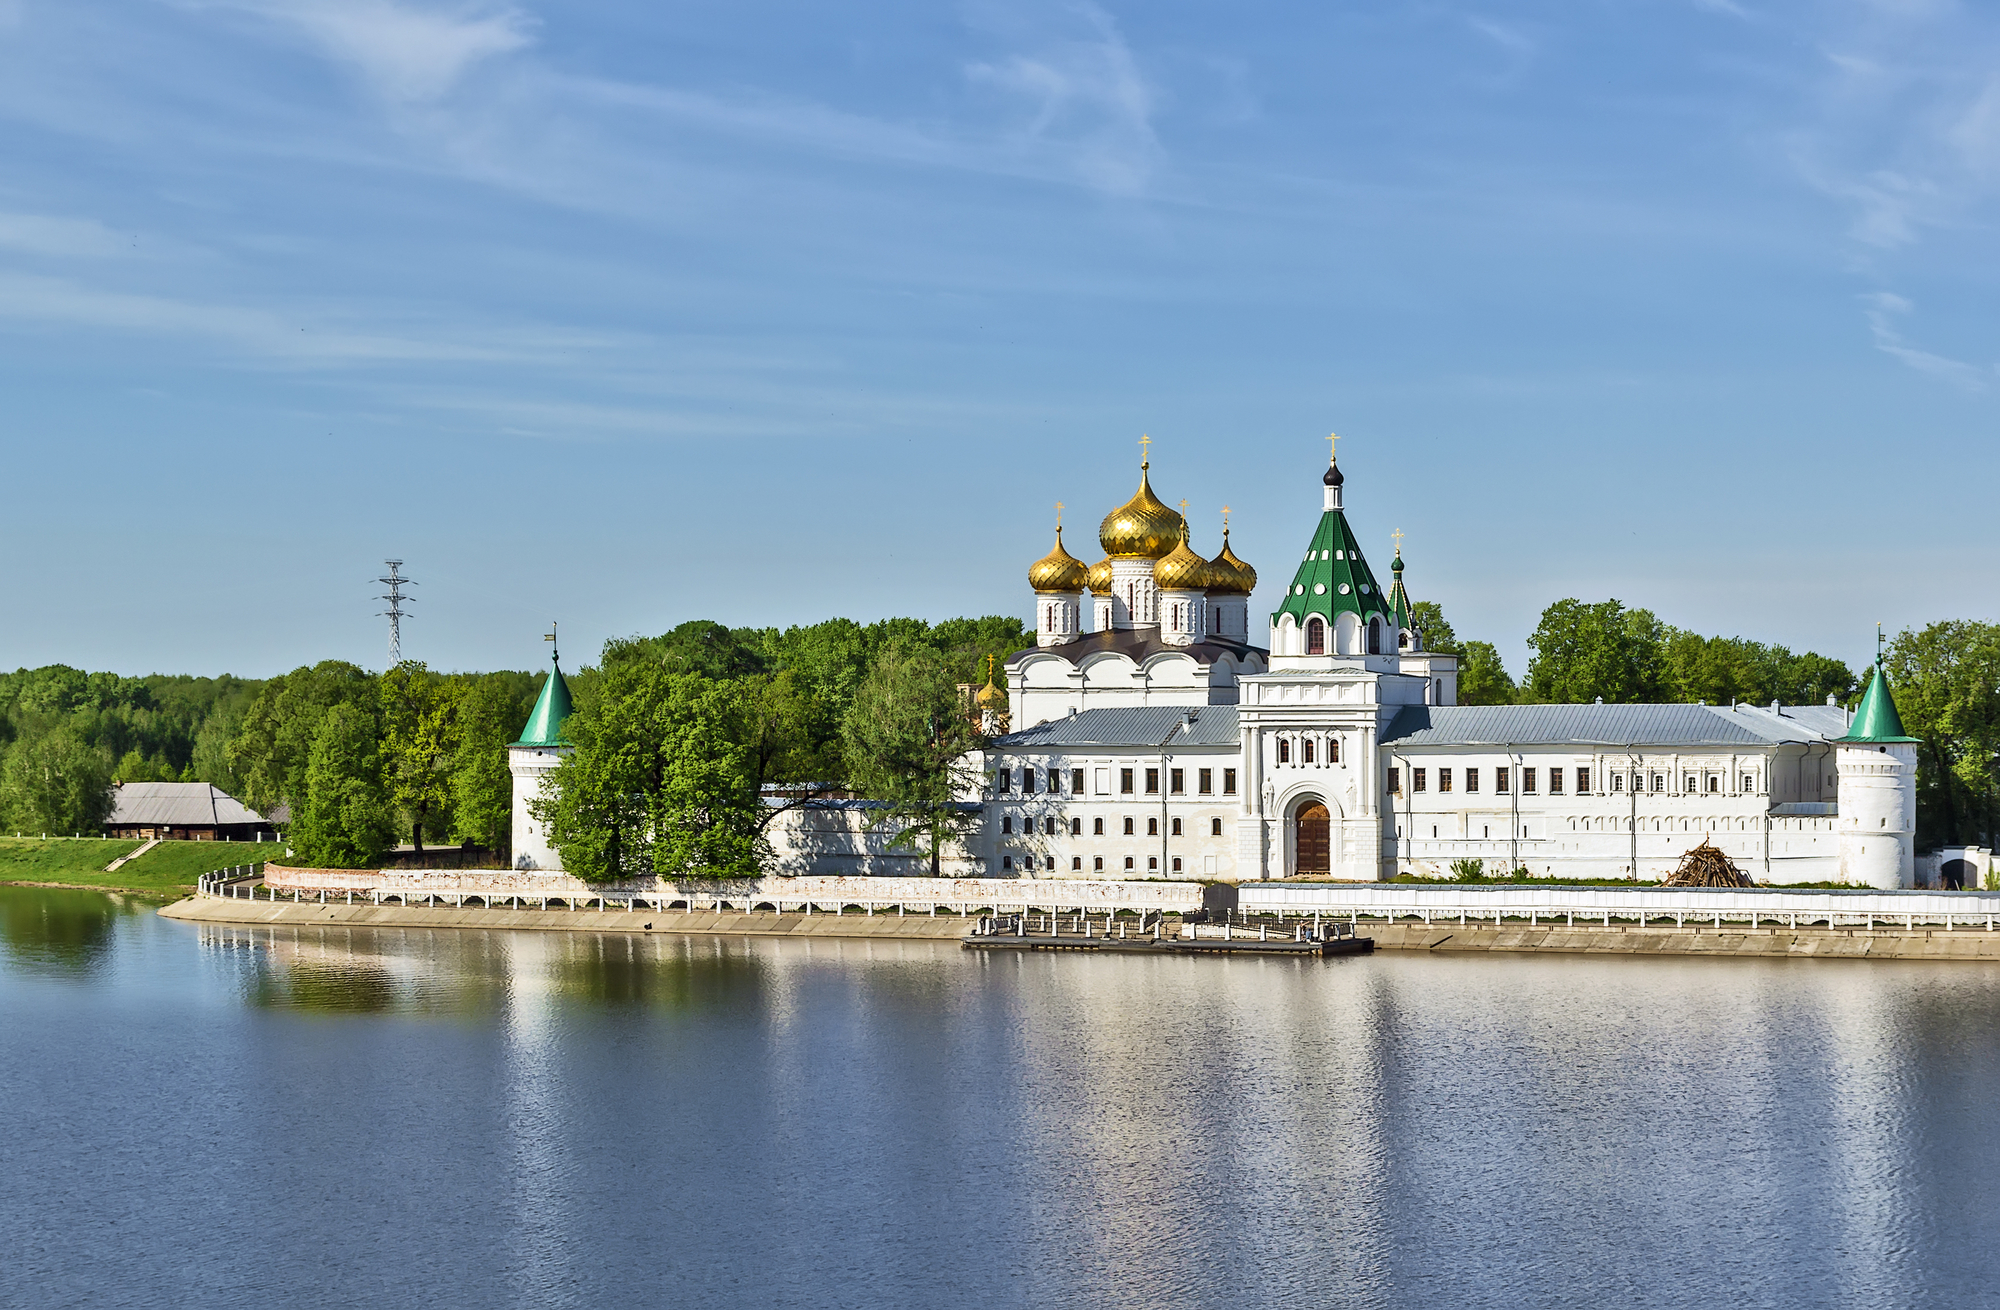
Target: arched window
(1284, 750)
(1333, 750)
(1374, 636)
(1308, 754)
(1315, 637)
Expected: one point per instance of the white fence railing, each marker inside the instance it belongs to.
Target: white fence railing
(1762, 906)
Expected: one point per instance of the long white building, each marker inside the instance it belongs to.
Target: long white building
(1160, 743)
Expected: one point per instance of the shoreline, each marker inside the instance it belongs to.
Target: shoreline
(1654, 941)
(159, 893)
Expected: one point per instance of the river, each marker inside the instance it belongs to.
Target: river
(233, 1117)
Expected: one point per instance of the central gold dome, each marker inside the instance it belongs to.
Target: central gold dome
(1141, 528)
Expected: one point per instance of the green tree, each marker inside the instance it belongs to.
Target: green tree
(905, 737)
(1587, 651)
(342, 820)
(270, 752)
(1482, 677)
(420, 741)
(657, 781)
(135, 767)
(1427, 617)
(491, 711)
(54, 781)
(1946, 680)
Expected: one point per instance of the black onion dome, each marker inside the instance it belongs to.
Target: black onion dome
(1333, 476)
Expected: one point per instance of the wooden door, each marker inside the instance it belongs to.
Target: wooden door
(1314, 847)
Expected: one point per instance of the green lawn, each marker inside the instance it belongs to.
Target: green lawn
(168, 867)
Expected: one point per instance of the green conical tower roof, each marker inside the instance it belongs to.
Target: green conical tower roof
(1399, 600)
(545, 724)
(1334, 578)
(1877, 721)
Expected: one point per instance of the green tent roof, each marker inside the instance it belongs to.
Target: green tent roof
(545, 724)
(1334, 577)
(1877, 720)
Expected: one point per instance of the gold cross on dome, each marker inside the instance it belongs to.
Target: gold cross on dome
(1333, 447)
(1145, 450)
(1225, 518)
(1398, 535)
(1059, 510)
(1183, 506)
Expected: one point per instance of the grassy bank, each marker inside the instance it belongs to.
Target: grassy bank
(169, 867)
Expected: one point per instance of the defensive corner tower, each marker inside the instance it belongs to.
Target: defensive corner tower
(539, 750)
(1877, 764)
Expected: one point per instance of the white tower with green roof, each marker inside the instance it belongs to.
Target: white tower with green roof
(1877, 765)
(541, 747)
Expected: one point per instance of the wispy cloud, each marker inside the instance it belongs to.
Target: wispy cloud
(1884, 308)
(408, 53)
(43, 234)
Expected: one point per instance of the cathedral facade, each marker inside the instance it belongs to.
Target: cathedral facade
(1152, 739)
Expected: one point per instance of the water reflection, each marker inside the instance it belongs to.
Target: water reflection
(55, 930)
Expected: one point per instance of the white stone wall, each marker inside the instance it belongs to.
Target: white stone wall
(1054, 834)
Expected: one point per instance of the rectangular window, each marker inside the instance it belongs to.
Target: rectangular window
(1125, 782)
(1076, 864)
(1749, 782)
(1215, 827)
(1097, 827)
(1472, 780)
(1229, 782)
(1501, 780)
(1003, 781)
(1007, 823)
(1177, 828)
(1128, 825)
(1076, 827)
(1097, 863)
(1618, 782)
(1048, 827)
(1444, 779)
(1177, 781)
(1395, 781)
(1128, 862)
(1006, 861)
(1660, 782)
(1076, 781)
(1555, 782)
(1204, 781)
(1528, 780)
(1582, 780)
(1715, 782)
(1687, 785)
(1417, 779)
(1153, 827)
(1152, 864)
(1152, 782)
(1028, 782)
(1638, 782)
(1177, 864)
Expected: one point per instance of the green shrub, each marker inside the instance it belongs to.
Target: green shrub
(1468, 869)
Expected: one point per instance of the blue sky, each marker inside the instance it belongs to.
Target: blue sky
(626, 314)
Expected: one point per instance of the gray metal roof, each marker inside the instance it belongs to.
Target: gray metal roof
(1135, 725)
(1611, 725)
(177, 805)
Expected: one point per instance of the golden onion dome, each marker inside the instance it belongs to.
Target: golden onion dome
(1181, 569)
(1098, 579)
(990, 697)
(1230, 574)
(1141, 528)
(1057, 571)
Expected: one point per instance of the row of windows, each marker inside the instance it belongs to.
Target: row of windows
(1316, 635)
(1028, 862)
(1503, 776)
(1050, 826)
(1052, 781)
(1307, 749)
(1503, 779)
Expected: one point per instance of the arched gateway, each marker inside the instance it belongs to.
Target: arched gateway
(1313, 839)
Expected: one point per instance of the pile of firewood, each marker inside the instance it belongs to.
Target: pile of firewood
(1705, 866)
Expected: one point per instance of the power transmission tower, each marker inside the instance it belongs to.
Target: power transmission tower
(395, 582)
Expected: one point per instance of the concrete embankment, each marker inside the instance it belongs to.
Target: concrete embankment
(1733, 941)
(910, 927)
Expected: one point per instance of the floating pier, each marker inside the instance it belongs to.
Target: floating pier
(1155, 935)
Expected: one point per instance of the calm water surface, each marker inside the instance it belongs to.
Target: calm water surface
(225, 1117)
